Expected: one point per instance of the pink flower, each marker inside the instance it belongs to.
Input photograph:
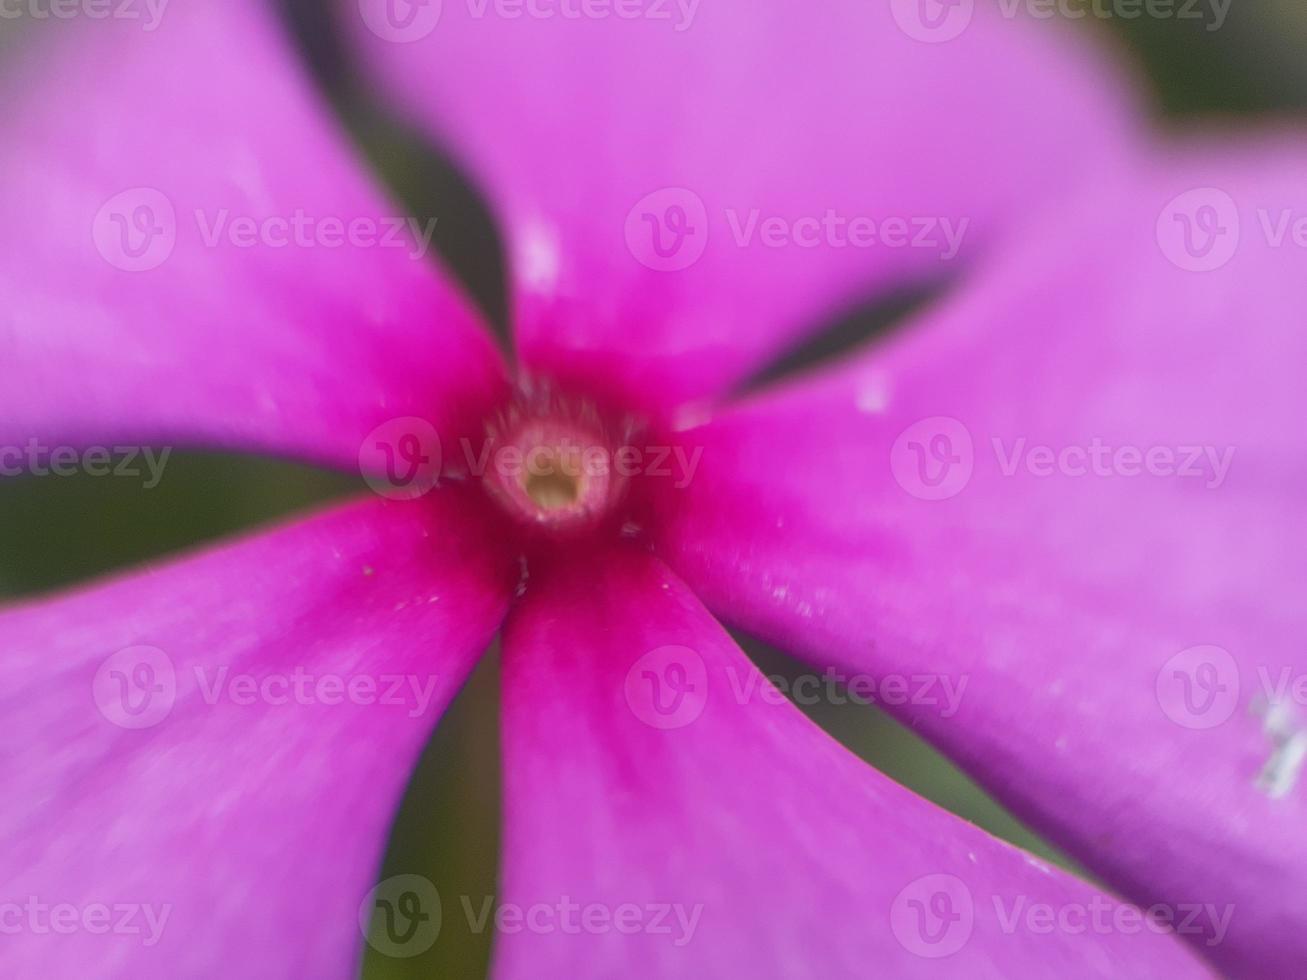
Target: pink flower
(1071, 485)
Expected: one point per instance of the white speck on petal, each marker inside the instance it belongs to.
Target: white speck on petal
(691, 417)
(1038, 865)
(873, 394)
(538, 256)
(524, 576)
(1288, 752)
(246, 173)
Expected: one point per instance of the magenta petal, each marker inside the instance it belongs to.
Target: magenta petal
(1130, 635)
(163, 753)
(185, 252)
(719, 833)
(589, 131)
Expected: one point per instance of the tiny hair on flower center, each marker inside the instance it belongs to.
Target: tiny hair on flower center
(550, 463)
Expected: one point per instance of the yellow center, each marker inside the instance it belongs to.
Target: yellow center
(553, 490)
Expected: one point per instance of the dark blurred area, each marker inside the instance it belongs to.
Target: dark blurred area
(60, 531)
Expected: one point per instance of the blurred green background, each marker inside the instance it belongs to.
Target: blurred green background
(58, 531)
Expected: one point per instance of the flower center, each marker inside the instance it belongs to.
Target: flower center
(550, 464)
(553, 490)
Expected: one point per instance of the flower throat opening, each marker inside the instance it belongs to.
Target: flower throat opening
(551, 463)
(552, 490)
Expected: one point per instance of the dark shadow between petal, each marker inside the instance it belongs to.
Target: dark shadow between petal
(859, 326)
(879, 740)
(56, 531)
(447, 831)
(425, 181)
